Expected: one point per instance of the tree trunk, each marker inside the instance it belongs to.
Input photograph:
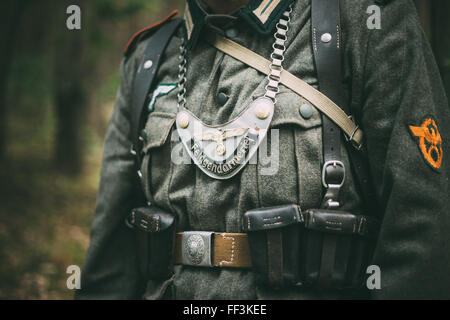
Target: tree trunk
(70, 99)
(11, 12)
(70, 94)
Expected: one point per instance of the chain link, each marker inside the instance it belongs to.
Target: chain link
(277, 56)
(182, 75)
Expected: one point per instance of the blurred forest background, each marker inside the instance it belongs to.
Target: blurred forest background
(57, 89)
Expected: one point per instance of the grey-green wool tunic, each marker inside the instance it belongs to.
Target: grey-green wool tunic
(391, 82)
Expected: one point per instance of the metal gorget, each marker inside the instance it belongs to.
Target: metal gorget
(221, 151)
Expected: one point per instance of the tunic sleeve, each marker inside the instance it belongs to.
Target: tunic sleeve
(405, 116)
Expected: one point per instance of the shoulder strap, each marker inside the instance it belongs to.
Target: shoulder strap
(142, 84)
(325, 19)
(318, 99)
(327, 47)
(145, 76)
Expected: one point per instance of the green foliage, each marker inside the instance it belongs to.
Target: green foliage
(45, 216)
(447, 63)
(111, 9)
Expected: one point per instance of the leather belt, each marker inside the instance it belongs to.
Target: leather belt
(209, 249)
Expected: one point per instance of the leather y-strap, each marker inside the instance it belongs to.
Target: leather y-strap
(328, 48)
(325, 19)
(145, 76)
(326, 40)
(143, 82)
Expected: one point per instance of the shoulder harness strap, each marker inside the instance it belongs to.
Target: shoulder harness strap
(325, 17)
(327, 47)
(142, 84)
(145, 76)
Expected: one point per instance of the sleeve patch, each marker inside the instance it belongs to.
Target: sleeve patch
(429, 141)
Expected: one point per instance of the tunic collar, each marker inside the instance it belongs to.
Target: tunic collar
(261, 15)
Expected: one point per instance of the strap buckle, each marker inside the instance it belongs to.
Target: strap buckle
(332, 170)
(334, 164)
(196, 248)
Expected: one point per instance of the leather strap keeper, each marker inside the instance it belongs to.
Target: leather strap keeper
(227, 250)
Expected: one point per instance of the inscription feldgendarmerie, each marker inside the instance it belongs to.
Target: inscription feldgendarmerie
(222, 169)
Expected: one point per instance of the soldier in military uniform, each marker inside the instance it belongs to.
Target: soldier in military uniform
(210, 205)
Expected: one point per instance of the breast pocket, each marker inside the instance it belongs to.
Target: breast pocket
(156, 149)
(290, 159)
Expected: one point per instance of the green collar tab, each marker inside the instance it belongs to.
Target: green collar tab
(162, 90)
(261, 15)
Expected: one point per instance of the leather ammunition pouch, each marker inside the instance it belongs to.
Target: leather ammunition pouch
(336, 248)
(274, 238)
(155, 238)
(318, 248)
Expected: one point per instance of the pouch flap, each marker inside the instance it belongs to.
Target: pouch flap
(151, 219)
(157, 129)
(288, 111)
(340, 222)
(272, 218)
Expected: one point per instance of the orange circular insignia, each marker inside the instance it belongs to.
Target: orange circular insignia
(430, 142)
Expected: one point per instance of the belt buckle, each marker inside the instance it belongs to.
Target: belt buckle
(197, 248)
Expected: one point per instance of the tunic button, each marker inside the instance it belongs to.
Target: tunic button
(232, 33)
(306, 111)
(222, 98)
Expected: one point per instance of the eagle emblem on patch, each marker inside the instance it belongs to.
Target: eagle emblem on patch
(430, 142)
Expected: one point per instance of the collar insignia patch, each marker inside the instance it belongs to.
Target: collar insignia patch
(188, 22)
(162, 90)
(265, 9)
(224, 150)
(261, 15)
(430, 142)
